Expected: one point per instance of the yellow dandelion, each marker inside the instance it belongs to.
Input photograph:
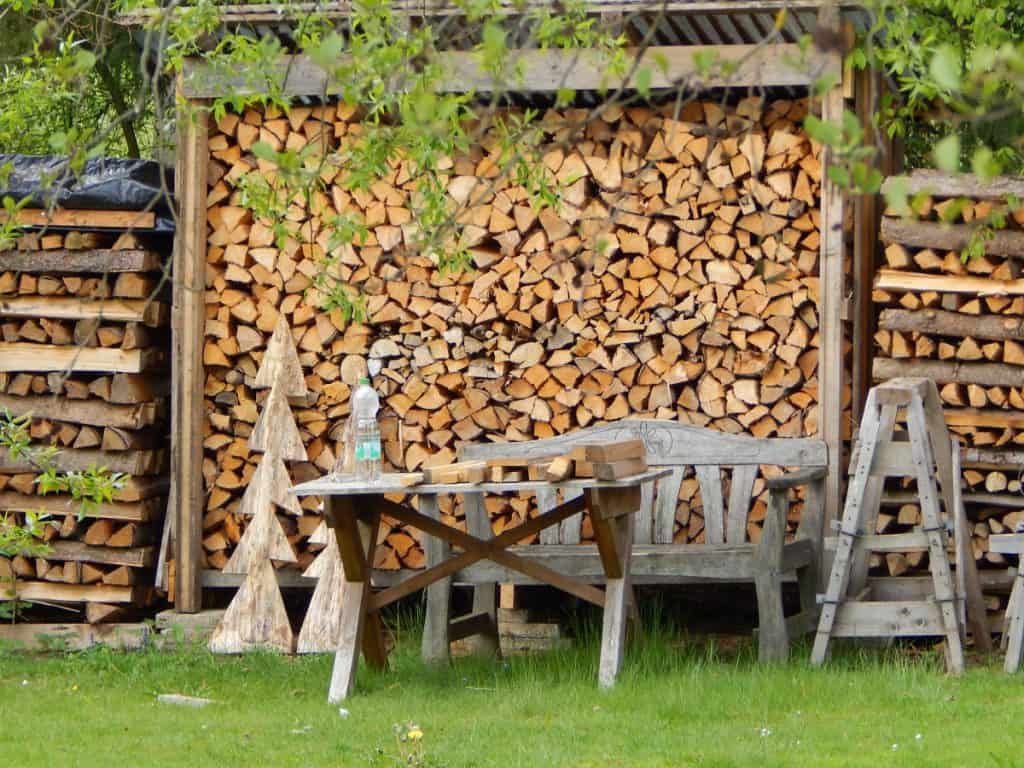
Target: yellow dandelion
(415, 734)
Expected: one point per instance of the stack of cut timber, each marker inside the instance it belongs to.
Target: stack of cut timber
(959, 320)
(677, 278)
(83, 320)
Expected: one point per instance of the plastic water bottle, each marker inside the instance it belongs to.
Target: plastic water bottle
(365, 405)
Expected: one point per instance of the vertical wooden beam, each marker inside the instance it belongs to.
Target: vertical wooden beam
(187, 331)
(865, 248)
(832, 293)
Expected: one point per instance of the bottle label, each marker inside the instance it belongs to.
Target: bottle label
(368, 450)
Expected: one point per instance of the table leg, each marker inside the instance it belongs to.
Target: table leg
(1015, 623)
(355, 521)
(614, 535)
(435, 647)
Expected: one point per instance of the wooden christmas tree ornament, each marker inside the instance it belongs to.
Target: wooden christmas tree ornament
(276, 431)
(281, 363)
(256, 618)
(322, 627)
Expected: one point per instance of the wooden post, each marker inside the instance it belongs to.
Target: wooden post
(187, 330)
(830, 363)
(865, 246)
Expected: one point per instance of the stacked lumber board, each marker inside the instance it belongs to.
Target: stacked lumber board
(677, 278)
(84, 351)
(959, 319)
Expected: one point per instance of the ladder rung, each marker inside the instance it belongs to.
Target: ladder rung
(895, 619)
(886, 542)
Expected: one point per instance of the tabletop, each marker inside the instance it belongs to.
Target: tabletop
(335, 485)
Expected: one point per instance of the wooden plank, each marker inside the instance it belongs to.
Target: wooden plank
(1006, 543)
(867, 85)
(76, 637)
(146, 311)
(391, 483)
(79, 552)
(950, 237)
(187, 412)
(135, 511)
(56, 592)
(83, 219)
(138, 488)
(990, 417)
(650, 564)
(942, 184)
(710, 478)
(23, 357)
(890, 542)
(895, 619)
(740, 490)
(665, 509)
(898, 280)
(942, 323)
(671, 444)
(946, 371)
(540, 70)
(98, 260)
(832, 297)
(95, 412)
(129, 462)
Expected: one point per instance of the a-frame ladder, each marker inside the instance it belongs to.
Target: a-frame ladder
(925, 453)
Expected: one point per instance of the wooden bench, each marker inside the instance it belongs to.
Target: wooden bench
(726, 556)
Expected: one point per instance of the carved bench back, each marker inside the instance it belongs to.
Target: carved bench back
(675, 445)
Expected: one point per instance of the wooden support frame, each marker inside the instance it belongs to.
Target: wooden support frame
(187, 345)
(833, 291)
(547, 70)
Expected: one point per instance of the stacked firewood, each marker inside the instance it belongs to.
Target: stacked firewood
(950, 312)
(84, 338)
(676, 278)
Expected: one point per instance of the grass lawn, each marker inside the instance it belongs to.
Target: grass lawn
(677, 704)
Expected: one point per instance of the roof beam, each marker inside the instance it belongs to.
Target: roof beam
(542, 71)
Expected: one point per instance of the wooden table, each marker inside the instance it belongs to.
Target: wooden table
(353, 510)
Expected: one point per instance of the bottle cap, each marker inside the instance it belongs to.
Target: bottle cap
(364, 380)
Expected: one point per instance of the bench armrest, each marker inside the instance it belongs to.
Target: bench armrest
(797, 478)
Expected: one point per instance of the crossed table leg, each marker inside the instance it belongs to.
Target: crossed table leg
(355, 521)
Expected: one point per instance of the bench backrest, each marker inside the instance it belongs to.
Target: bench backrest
(674, 445)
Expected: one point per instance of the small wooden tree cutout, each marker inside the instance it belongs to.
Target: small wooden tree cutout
(276, 428)
(257, 617)
(321, 629)
(281, 362)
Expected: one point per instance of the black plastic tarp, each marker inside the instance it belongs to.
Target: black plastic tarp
(111, 184)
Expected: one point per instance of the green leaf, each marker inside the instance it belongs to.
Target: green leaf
(985, 164)
(947, 153)
(839, 176)
(896, 191)
(945, 68)
(643, 81)
(823, 132)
